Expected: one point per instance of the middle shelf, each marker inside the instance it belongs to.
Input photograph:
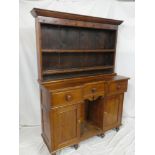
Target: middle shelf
(76, 50)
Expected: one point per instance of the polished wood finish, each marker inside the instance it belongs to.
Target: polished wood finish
(81, 95)
(66, 128)
(80, 51)
(66, 97)
(115, 87)
(93, 90)
(112, 108)
(60, 71)
(66, 22)
(62, 15)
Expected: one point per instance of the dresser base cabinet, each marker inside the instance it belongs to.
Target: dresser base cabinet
(72, 117)
(81, 95)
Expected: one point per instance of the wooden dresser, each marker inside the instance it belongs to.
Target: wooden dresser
(81, 95)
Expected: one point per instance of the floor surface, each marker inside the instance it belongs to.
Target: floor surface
(114, 143)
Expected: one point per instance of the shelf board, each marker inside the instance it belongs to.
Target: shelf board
(59, 71)
(89, 130)
(76, 50)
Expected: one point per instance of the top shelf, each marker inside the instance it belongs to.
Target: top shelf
(72, 51)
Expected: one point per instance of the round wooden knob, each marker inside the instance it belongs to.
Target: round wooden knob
(68, 97)
(105, 113)
(118, 86)
(93, 90)
(79, 121)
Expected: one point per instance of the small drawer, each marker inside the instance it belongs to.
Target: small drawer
(93, 89)
(66, 97)
(117, 86)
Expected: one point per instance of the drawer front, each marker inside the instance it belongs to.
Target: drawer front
(117, 86)
(66, 97)
(93, 89)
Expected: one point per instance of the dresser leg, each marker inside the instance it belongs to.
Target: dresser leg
(102, 135)
(117, 129)
(76, 146)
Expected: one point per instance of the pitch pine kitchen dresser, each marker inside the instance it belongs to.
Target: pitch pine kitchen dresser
(81, 95)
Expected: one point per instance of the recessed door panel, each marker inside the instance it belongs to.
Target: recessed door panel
(112, 111)
(65, 125)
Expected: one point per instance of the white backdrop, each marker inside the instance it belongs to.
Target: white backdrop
(31, 143)
(29, 89)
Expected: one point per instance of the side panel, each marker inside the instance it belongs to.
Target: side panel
(45, 116)
(38, 45)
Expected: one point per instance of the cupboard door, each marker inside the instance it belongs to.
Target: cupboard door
(65, 125)
(113, 111)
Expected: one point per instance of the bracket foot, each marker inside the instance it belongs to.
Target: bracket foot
(102, 135)
(117, 129)
(76, 146)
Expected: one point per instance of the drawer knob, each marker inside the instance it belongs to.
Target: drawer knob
(68, 97)
(118, 86)
(79, 121)
(105, 113)
(93, 90)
